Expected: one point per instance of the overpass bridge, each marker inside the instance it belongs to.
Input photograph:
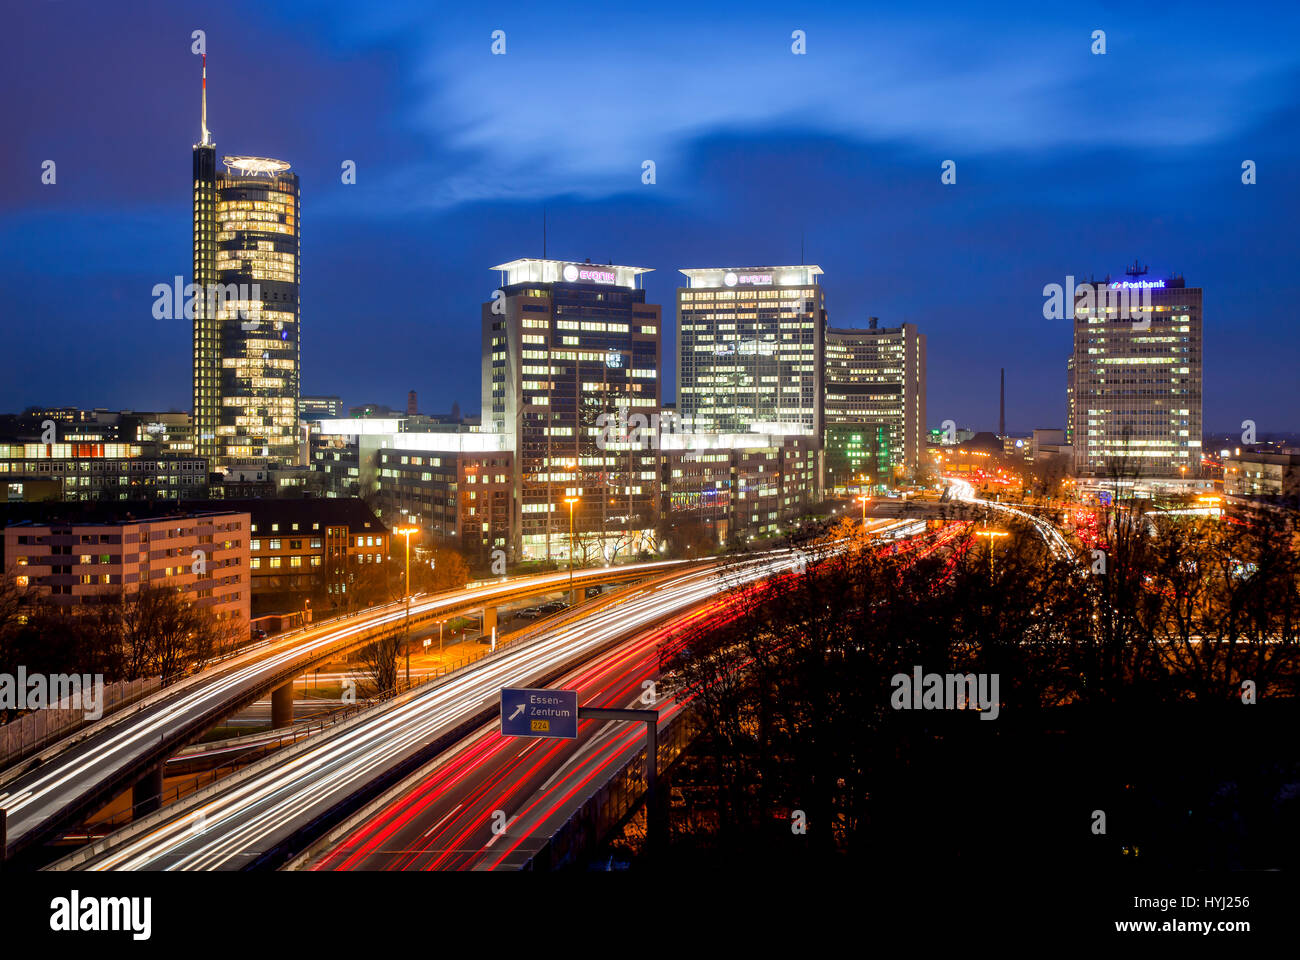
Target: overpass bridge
(72, 778)
(260, 816)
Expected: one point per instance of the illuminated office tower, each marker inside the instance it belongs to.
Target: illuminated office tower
(1136, 388)
(565, 344)
(246, 318)
(875, 377)
(750, 349)
(1069, 400)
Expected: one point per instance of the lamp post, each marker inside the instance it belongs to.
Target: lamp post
(406, 587)
(571, 501)
(865, 500)
(991, 534)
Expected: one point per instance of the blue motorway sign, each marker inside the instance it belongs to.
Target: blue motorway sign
(539, 713)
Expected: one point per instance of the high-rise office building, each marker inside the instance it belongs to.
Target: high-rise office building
(875, 378)
(750, 349)
(565, 344)
(1069, 399)
(246, 316)
(1136, 383)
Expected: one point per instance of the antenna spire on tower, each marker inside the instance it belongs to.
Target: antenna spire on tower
(207, 139)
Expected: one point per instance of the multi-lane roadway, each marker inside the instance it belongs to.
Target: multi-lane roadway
(74, 777)
(263, 814)
(491, 802)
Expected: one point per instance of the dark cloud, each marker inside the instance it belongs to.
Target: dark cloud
(1066, 164)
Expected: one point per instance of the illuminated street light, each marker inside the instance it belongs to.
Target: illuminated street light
(571, 501)
(991, 534)
(406, 586)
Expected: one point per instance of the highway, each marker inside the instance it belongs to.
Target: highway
(89, 768)
(1056, 543)
(492, 802)
(258, 817)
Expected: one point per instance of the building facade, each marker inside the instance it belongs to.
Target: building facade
(875, 377)
(565, 344)
(459, 487)
(1070, 407)
(1249, 474)
(1136, 381)
(85, 559)
(98, 471)
(303, 548)
(246, 311)
(736, 486)
(856, 455)
(751, 349)
(320, 407)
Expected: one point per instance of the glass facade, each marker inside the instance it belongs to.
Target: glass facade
(1136, 387)
(246, 323)
(750, 349)
(875, 377)
(559, 355)
(857, 454)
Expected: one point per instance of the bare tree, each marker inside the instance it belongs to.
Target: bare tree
(161, 633)
(379, 659)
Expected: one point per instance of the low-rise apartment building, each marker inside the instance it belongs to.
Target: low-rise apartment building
(86, 556)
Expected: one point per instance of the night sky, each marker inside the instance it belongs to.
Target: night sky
(1067, 163)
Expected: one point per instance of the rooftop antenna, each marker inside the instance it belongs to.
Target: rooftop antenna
(207, 140)
(801, 233)
(1136, 270)
(543, 233)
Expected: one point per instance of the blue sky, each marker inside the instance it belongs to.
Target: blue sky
(1067, 163)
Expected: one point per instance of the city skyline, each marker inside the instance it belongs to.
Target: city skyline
(954, 259)
(724, 443)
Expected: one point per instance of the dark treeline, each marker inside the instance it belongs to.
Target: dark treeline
(1122, 733)
(154, 632)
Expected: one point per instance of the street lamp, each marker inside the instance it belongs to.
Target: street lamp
(571, 501)
(991, 534)
(406, 586)
(865, 500)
